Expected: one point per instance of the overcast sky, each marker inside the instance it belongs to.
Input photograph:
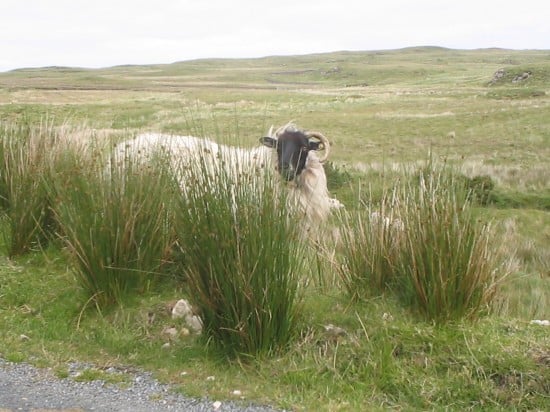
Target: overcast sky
(100, 33)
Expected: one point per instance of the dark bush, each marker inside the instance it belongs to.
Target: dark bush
(480, 189)
(337, 176)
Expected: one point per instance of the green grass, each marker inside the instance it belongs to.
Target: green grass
(370, 246)
(385, 353)
(382, 111)
(25, 202)
(521, 200)
(449, 265)
(241, 255)
(115, 224)
(422, 241)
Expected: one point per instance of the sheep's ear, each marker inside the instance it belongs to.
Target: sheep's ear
(269, 142)
(313, 145)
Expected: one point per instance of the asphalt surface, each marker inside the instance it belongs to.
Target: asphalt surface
(27, 388)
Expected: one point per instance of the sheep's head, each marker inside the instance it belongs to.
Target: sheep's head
(293, 146)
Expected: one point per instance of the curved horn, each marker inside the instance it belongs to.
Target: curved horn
(324, 141)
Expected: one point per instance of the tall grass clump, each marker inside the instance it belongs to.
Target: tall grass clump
(421, 242)
(447, 268)
(240, 256)
(25, 154)
(115, 222)
(370, 243)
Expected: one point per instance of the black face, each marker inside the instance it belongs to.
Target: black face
(292, 150)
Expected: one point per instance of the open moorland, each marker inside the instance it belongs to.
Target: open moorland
(354, 342)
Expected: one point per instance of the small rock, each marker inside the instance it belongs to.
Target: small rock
(334, 331)
(26, 309)
(166, 345)
(181, 309)
(499, 74)
(210, 378)
(540, 322)
(216, 405)
(24, 338)
(387, 317)
(170, 332)
(195, 323)
(236, 392)
(521, 77)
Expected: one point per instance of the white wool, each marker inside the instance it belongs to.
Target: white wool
(308, 191)
(144, 147)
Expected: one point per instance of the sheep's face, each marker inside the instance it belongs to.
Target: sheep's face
(292, 148)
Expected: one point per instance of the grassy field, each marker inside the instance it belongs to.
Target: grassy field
(384, 112)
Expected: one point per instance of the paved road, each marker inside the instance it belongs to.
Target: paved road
(26, 388)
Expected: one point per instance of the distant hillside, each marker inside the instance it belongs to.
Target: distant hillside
(415, 65)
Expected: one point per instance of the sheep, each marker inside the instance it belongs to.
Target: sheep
(289, 151)
(298, 163)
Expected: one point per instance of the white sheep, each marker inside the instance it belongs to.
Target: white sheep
(290, 151)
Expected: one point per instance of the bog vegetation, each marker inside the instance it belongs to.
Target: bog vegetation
(418, 295)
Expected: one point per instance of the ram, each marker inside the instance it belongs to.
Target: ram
(290, 151)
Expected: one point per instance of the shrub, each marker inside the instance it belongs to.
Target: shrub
(337, 177)
(480, 188)
(24, 164)
(447, 267)
(369, 247)
(240, 257)
(424, 244)
(115, 224)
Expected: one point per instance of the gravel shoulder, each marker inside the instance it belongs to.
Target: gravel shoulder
(26, 388)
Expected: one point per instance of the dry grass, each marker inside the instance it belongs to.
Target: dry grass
(522, 177)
